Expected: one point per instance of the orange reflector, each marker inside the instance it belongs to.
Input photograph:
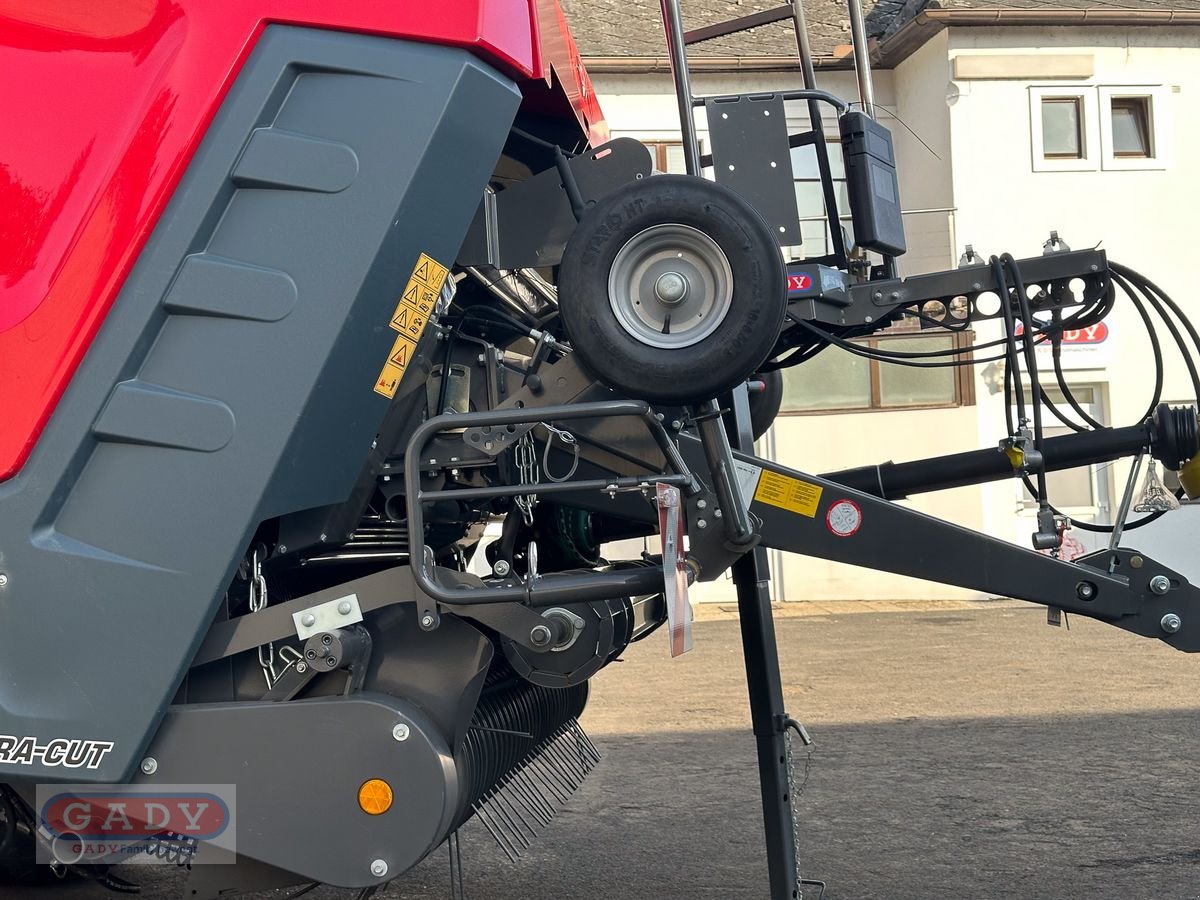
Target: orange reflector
(375, 797)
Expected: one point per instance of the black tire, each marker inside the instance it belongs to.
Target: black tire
(753, 307)
(764, 404)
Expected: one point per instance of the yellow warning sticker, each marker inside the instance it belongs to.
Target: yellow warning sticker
(393, 370)
(788, 493)
(417, 303)
(420, 294)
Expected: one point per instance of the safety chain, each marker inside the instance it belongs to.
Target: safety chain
(527, 473)
(258, 602)
(794, 730)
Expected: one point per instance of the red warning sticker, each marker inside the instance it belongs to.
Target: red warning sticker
(843, 518)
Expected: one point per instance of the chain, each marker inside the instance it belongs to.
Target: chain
(258, 602)
(795, 731)
(527, 473)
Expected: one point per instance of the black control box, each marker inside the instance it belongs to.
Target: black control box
(872, 185)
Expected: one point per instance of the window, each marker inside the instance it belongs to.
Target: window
(1131, 127)
(810, 197)
(836, 379)
(1134, 127)
(1083, 490)
(1062, 127)
(668, 157)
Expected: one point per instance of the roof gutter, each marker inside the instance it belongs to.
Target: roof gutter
(647, 65)
(920, 28)
(897, 47)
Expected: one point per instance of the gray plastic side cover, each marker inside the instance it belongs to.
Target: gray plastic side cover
(233, 379)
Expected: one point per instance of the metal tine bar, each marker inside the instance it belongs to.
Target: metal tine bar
(536, 784)
(574, 777)
(518, 783)
(568, 747)
(506, 800)
(554, 764)
(485, 818)
(498, 805)
(554, 781)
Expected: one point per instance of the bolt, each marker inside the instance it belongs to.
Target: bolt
(868, 319)
(701, 504)
(400, 732)
(344, 608)
(149, 765)
(308, 620)
(283, 548)
(1136, 561)
(717, 514)
(301, 667)
(3, 579)
(1085, 590)
(1171, 623)
(540, 635)
(331, 661)
(311, 654)
(502, 567)
(379, 867)
(676, 424)
(324, 537)
(1160, 584)
(700, 523)
(427, 620)
(326, 639)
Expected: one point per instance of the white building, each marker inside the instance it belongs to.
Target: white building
(1011, 118)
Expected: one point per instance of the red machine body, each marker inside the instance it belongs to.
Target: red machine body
(104, 106)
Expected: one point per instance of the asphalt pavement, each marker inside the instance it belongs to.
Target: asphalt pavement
(963, 753)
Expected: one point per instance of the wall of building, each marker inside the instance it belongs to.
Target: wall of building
(1136, 216)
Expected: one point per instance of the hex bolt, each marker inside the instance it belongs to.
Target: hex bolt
(344, 608)
(326, 639)
(1171, 623)
(700, 523)
(540, 635)
(427, 620)
(502, 567)
(1136, 561)
(379, 868)
(308, 620)
(149, 765)
(301, 667)
(676, 424)
(3, 579)
(1160, 584)
(1085, 590)
(701, 504)
(400, 732)
(311, 654)
(331, 661)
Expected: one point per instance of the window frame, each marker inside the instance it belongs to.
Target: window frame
(964, 380)
(1089, 128)
(1156, 99)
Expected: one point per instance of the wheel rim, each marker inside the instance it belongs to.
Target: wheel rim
(670, 286)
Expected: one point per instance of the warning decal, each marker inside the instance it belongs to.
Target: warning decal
(788, 493)
(416, 305)
(419, 296)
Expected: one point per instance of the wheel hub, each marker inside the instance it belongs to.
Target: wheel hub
(670, 286)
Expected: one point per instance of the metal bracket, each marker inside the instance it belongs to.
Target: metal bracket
(327, 616)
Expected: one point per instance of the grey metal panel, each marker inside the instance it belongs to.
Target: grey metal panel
(119, 550)
(751, 156)
(296, 773)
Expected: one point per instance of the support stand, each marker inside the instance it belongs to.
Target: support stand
(751, 577)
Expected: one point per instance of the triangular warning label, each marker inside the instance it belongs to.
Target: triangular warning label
(422, 271)
(400, 357)
(411, 294)
(401, 320)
